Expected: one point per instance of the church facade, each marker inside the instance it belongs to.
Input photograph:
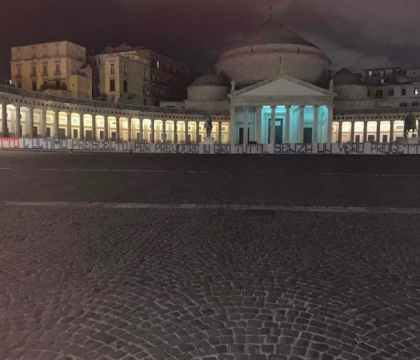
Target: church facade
(273, 87)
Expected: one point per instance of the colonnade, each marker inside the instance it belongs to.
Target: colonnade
(86, 126)
(299, 109)
(368, 130)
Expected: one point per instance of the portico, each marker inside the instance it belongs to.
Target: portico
(281, 110)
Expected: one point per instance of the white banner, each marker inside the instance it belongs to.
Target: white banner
(278, 149)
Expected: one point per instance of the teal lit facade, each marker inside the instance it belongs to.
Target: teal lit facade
(312, 131)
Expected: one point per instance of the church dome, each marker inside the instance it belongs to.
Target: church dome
(273, 32)
(209, 80)
(346, 77)
(208, 87)
(269, 50)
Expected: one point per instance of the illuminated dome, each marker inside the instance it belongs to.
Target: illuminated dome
(261, 54)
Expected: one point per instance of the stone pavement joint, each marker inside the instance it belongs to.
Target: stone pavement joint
(232, 207)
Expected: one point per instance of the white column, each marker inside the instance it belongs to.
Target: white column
(258, 109)
(44, 123)
(220, 132)
(186, 131)
(18, 122)
(330, 122)
(232, 136)
(273, 125)
(246, 115)
(378, 132)
(164, 131)
(352, 132)
(197, 131)
(315, 126)
(365, 128)
(152, 131)
(301, 122)
(392, 132)
(106, 128)
(82, 127)
(56, 119)
(118, 138)
(340, 132)
(69, 135)
(30, 130)
(4, 132)
(94, 127)
(141, 130)
(129, 129)
(287, 129)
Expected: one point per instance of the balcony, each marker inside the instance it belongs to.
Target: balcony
(19, 76)
(34, 74)
(57, 73)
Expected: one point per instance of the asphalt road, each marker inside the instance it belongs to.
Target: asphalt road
(80, 282)
(248, 180)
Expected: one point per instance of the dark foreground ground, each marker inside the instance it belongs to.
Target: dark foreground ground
(208, 284)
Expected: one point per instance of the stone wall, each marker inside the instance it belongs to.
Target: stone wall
(208, 93)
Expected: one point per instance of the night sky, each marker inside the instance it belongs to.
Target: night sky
(353, 33)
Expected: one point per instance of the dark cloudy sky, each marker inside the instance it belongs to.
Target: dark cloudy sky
(353, 33)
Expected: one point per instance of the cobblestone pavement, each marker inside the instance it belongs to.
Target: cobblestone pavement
(208, 284)
(102, 282)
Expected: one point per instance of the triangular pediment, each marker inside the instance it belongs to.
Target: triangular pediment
(282, 85)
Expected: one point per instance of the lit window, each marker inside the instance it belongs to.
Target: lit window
(158, 64)
(416, 91)
(370, 73)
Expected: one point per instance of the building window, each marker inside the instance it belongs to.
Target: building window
(158, 64)
(112, 69)
(34, 87)
(19, 71)
(33, 52)
(403, 104)
(125, 69)
(19, 85)
(57, 68)
(125, 86)
(368, 93)
(145, 102)
(57, 49)
(57, 84)
(33, 73)
(379, 94)
(44, 69)
(403, 92)
(416, 91)
(416, 103)
(45, 51)
(112, 85)
(391, 92)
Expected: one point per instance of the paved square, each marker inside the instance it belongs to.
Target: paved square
(96, 282)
